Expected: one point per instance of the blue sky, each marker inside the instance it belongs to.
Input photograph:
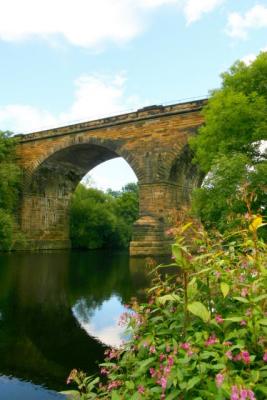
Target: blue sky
(68, 61)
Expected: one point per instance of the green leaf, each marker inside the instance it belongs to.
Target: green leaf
(115, 396)
(263, 321)
(199, 310)
(173, 395)
(255, 375)
(259, 298)
(234, 319)
(224, 288)
(168, 297)
(207, 354)
(262, 388)
(129, 385)
(142, 365)
(179, 257)
(192, 382)
(203, 271)
(217, 366)
(242, 299)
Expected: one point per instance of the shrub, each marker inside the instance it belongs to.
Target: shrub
(202, 333)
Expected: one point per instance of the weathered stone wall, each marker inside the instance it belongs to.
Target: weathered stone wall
(154, 143)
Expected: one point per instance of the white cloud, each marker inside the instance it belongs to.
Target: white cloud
(87, 23)
(95, 96)
(24, 118)
(238, 25)
(111, 335)
(194, 9)
(249, 58)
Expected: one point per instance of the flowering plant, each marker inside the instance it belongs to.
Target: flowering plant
(202, 333)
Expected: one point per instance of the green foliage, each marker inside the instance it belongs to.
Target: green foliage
(6, 230)
(10, 179)
(202, 333)
(221, 198)
(236, 114)
(229, 146)
(103, 220)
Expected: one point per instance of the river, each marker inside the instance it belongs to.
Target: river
(59, 311)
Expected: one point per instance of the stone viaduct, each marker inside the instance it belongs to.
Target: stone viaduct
(154, 142)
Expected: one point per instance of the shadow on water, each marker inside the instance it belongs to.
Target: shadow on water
(42, 335)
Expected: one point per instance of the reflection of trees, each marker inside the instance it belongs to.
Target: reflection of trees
(99, 274)
(40, 339)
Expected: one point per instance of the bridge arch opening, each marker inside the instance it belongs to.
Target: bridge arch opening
(49, 189)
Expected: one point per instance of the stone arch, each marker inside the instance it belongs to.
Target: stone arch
(185, 175)
(65, 152)
(48, 187)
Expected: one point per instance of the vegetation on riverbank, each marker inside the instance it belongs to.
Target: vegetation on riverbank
(103, 220)
(202, 333)
(230, 146)
(10, 179)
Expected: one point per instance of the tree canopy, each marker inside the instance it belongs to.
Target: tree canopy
(231, 146)
(99, 219)
(10, 177)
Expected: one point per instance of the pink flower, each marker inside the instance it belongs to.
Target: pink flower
(234, 393)
(265, 356)
(219, 380)
(227, 343)
(152, 372)
(141, 389)
(244, 292)
(229, 355)
(170, 361)
(211, 340)
(219, 319)
(72, 376)
(217, 274)
(251, 395)
(170, 232)
(245, 357)
(237, 357)
(114, 385)
(185, 346)
(163, 382)
(242, 394)
(161, 357)
(243, 323)
(104, 371)
(152, 349)
(167, 370)
(249, 312)
(168, 348)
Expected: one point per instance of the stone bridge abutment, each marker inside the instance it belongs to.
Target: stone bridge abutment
(154, 142)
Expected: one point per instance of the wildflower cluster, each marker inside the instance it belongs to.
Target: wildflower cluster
(202, 333)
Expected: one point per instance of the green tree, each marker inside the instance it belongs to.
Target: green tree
(99, 219)
(230, 145)
(10, 178)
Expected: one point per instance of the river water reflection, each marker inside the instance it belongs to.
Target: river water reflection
(58, 311)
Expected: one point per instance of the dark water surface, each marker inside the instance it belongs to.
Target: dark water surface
(58, 311)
